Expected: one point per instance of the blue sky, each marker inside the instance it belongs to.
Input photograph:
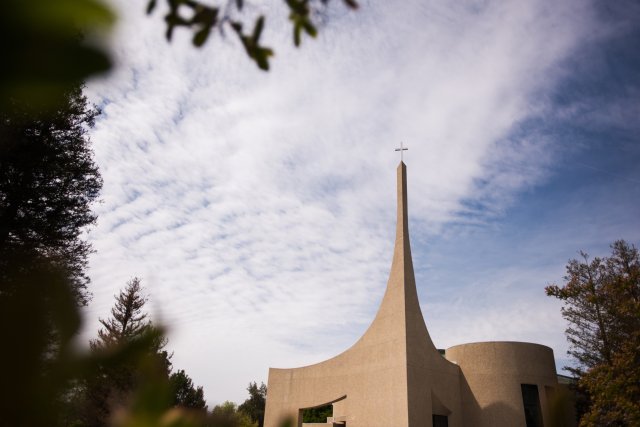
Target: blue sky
(258, 208)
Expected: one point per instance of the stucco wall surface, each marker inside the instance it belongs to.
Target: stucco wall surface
(492, 376)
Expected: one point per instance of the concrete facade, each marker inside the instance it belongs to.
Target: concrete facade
(394, 375)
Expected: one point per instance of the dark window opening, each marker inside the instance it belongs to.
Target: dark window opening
(317, 415)
(531, 402)
(440, 421)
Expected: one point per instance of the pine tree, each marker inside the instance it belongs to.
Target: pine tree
(128, 321)
(117, 380)
(184, 393)
(48, 180)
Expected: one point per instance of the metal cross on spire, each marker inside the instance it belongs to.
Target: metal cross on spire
(401, 149)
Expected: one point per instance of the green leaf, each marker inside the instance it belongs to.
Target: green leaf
(151, 6)
(237, 27)
(201, 36)
(296, 34)
(257, 30)
(262, 58)
(206, 16)
(298, 7)
(309, 28)
(65, 14)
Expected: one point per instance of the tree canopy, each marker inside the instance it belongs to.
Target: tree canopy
(133, 374)
(255, 405)
(184, 393)
(228, 415)
(128, 321)
(48, 181)
(317, 415)
(602, 307)
(115, 382)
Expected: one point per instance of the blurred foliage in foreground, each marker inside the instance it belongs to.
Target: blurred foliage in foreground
(48, 181)
(50, 47)
(123, 381)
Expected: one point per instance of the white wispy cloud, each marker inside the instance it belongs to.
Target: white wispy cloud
(259, 207)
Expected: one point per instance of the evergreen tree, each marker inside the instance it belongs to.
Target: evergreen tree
(127, 320)
(117, 380)
(602, 306)
(184, 393)
(48, 180)
(254, 406)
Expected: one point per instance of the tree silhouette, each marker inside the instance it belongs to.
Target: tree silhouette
(48, 180)
(116, 381)
(184, 393)
(127, 320)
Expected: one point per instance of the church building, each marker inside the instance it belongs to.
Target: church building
(394, 376)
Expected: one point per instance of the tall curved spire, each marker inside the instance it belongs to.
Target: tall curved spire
(400, 307)
(386, 377)
(402, 274)
(402, 249)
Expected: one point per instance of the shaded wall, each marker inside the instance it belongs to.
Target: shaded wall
(493, 374)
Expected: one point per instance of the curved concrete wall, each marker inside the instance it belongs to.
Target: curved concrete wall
(493, 373)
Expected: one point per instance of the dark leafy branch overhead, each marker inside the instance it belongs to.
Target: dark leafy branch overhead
(50, 47)
(202, 19)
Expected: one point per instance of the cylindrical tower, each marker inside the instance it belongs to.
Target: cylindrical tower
(505, 383)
